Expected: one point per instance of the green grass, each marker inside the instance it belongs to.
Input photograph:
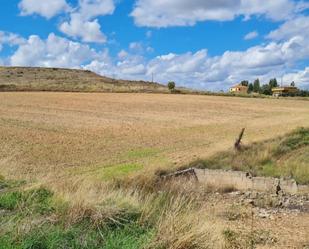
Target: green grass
(79, 236)
(37, 201)
(141, 153)
(120, 170)
(10, 200)
(20, 208)
(285, 156)
(128, 237)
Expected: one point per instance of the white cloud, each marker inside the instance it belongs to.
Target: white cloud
(101, 67)
(122, 54)
(136, 46)
(139, 48)
(196, 70)
(251, 35)
(82, 23)
(166, 13)
(132, 70)
(52, 52)
(199, 70)
(11, 39)
(301, 77)
(291, 28)
(45, 8)
(92, 8)
(132, 66)
(88, 31)
(127, 67)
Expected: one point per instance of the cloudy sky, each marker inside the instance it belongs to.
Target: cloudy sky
(204, 44)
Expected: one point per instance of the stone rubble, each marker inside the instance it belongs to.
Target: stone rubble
(266, 205)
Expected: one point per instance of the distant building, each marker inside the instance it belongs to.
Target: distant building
(239, 89)
(284, 91)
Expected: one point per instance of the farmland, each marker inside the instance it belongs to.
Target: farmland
(78, 144)
(63, 133)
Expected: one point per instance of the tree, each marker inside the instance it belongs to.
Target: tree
(273, 83)
(171, 85)
(266, 89)
(244, 83)
(256, 86)
(293, 84)
(250, 88)
(303, 93)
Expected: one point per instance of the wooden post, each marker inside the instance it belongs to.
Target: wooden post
(237, 144)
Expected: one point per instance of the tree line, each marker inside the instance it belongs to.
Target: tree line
(256, 86)
(265, 89)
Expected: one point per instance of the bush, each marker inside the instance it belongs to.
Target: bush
(171, 85)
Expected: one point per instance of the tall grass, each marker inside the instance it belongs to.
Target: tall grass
(87, 214)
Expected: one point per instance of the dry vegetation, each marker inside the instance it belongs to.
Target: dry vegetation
(285, 156)
(68, 80)
(98, 153)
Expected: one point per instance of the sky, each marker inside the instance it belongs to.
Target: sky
(201, 44)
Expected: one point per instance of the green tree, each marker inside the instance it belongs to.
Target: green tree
(266, 89)
(244, 83)
(171, 85)
(303, 93)
(250, 88)
(273, 83)
(256, 86)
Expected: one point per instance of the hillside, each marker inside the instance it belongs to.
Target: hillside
(70, 80)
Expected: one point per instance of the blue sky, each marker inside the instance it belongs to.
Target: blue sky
(204, 44)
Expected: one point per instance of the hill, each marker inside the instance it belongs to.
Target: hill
(68, 80)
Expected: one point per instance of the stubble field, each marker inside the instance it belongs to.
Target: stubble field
(52, 134)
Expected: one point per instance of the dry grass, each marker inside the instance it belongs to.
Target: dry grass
(285, 156)
(68, 80)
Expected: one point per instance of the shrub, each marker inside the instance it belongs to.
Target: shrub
(171, 85)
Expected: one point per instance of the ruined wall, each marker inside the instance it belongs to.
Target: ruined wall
(244, 181)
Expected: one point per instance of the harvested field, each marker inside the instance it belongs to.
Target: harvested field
(52, 134)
